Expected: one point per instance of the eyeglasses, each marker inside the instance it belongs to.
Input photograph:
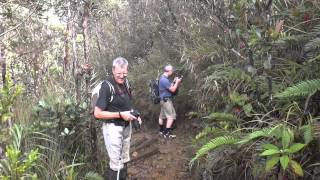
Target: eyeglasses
(121, 74)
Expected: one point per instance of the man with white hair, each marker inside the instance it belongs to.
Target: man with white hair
(167, 89)
(114, 107)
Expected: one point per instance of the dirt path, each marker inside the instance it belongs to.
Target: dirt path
(161, 159)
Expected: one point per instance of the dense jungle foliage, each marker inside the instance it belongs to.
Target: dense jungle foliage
(251, 79)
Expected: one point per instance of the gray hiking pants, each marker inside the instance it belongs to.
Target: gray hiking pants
(117, 142)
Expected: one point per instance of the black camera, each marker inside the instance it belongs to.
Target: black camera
(179, 76)
(136, 124)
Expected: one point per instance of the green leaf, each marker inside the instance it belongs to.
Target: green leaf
(285, 138)
(42, 103)
(84, 105)
(270, 146)
(247, 109)
(295, 166)
(296, 147)
(271, 162)
(284, 161)
(269, 152)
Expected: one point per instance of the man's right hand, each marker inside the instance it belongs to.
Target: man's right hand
(127, 116)
(177, 79)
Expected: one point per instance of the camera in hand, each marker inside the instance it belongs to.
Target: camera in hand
(136, 124)
(180, 76)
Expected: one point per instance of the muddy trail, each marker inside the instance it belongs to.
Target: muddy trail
(156, 158)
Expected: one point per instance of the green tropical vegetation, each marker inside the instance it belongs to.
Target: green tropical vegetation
(251, 80)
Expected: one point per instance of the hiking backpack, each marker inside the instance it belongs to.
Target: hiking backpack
(154, 91)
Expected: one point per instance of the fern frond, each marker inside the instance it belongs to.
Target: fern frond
(214, 143)
(316, 30)
(312, 48)
(5, 168)
(93, 176)
(265, 132)
(16, 133)
(302, 89)
(221, 117)
(221, 72)
(307, 131)
(312, 44)
(208, 130)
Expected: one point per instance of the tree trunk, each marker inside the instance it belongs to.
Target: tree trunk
(74, 50)
(66, 57)
(3, 65)
(98, 39)
(73, 36)
(93, 133)
(86, 13)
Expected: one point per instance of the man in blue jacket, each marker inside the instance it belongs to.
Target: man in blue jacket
(167, 89)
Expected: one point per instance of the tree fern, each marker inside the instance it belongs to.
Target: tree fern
(302, 89)
(214, 143)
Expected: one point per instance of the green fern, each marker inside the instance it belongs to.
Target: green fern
(307, 131)
(93, 176)
(205, 132)
(222, 72)
(302, 89)
(214, 143)
(209, 130)
(16, 133)
(266, 132)
(221, 117)
(313, 44)
(316, 30)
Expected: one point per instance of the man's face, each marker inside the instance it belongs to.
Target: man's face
(170, 71)
(120, 74)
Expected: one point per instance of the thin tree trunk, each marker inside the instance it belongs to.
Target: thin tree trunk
(174, 19)
(86, 14)
(3, 65)
(183, 34)
(66, 57)
(4, 73)
(98, 39)
(93, 133)
(74, 50)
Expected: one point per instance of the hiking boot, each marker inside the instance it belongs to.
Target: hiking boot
(162, 134)
(170, 135)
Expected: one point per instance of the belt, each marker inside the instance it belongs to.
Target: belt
(118, 122)
(165, 99)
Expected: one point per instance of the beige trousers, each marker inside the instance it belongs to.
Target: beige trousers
(117, 142)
